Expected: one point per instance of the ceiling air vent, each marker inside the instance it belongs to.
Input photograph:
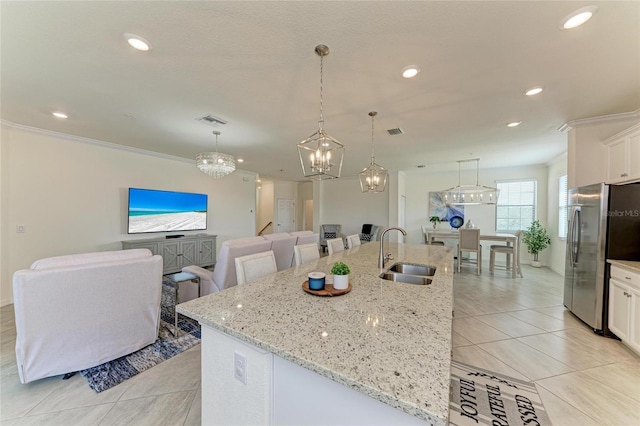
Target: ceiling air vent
(396, 131)
(211, 120)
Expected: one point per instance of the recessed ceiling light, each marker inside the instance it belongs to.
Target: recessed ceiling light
(59, 114)
(514, 124)
(240, 160)
(533, 91)
(410, 71)
(137, 42)
(578, 17)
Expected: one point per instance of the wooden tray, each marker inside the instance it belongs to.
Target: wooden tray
(328, 290)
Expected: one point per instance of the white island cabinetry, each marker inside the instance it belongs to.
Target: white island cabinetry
(624, 303)
(380, 354)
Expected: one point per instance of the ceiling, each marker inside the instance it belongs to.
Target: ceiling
(253, 64)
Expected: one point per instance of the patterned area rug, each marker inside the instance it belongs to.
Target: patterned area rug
(481, 397)
(112, 373)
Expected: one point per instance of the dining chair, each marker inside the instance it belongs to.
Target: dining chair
(425, 235)
(469, 241)
(254, 266)
(509, 251)
(335, 245)
(353, 241)
(304, 253)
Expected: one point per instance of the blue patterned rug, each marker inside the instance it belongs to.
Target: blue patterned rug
(112, 373)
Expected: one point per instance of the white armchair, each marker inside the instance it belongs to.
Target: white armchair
(79, 311)
(282, 247)
(224, 274)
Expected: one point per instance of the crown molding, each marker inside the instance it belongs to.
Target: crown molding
(570, 125)
(81, 139)
(90, 141)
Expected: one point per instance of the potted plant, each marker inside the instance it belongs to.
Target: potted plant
(340, 272)
(435, 220)
(537, 239)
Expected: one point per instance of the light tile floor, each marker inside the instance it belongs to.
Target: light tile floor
(517, 327)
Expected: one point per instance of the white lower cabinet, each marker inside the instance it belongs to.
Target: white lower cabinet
(624, 305)
(246, 385)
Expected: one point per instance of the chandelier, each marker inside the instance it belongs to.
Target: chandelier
(321, 155)
(374, 177)
(216, 164)
(469, 194)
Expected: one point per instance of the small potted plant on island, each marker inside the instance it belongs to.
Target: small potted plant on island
(537, 239)
(435, 220)
(340, 272)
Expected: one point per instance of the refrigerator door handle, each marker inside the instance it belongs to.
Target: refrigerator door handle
(575, 237)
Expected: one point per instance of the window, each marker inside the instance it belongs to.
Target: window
(516, 207)
(563, 209)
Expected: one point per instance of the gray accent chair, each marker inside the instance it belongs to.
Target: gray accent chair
(371, 235)
(329, 232)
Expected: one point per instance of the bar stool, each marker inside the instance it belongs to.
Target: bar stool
(304, 253)
(509, 251)
(353, 241)
(335, 245)
(254, 266)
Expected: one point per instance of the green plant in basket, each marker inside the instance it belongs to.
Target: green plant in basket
(340, 268)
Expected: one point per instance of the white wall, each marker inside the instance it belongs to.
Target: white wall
(342, 201)
(304, 211)
(420, 183)
(265, 208)
(556, 252)
(71, 196)
(587, 155)
(4, 207)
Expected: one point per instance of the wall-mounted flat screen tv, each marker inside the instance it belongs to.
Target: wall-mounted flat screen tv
(152, 210)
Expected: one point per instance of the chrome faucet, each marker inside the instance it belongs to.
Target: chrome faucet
(384, 257)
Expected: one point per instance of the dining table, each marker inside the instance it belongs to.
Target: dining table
(509, 239)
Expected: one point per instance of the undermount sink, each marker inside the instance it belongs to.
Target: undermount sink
(413, 269)
(409, 273)
(405, 278)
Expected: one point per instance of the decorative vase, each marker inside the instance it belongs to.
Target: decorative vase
(536, 264)
(340, 282)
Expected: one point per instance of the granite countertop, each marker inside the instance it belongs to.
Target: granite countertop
(629, 264)
(390, 341)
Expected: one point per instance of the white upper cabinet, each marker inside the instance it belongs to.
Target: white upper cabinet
(624, 156)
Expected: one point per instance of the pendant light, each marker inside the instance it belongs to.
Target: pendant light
(216, 164)
(373, 178)
(321, 155)
(464, 195)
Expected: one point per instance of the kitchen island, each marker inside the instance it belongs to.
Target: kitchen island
(379, 354)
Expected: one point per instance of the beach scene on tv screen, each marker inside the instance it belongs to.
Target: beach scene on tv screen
(158, 211)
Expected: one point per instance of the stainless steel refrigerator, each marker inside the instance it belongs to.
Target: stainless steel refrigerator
(604, 223)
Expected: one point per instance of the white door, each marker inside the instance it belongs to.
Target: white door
(285, 215)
